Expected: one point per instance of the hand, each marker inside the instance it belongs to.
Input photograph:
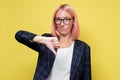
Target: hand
(50, 42)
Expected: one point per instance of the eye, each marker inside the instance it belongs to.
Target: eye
(57, 19)
(67, 19)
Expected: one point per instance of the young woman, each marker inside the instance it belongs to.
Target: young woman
(61, 55)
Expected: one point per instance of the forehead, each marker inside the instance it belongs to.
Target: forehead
(61, 13)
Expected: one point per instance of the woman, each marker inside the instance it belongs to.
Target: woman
(61, 55)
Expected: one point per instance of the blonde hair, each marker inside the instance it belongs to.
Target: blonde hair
(75, 28)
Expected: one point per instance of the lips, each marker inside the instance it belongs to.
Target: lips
(61, 29)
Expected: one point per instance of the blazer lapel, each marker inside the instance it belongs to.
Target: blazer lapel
(77, 55)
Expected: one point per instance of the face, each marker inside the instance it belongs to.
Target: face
(64, 22)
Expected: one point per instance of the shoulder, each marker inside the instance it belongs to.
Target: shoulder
(81, 43)
(83, 46)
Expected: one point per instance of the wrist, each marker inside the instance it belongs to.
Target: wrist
(39, 39)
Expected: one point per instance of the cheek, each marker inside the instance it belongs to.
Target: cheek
(68, 28)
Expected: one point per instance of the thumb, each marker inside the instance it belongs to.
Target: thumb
(54, 52)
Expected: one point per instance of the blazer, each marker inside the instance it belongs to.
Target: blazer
(80, 66)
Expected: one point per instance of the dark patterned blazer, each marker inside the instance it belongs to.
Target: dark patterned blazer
(80, 66)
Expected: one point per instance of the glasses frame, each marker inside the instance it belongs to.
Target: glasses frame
(62, 20)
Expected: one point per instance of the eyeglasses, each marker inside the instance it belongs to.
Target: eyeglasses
(66, 20)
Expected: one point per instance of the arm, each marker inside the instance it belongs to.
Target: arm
(34, 41)
(26, 38)
(87, 64)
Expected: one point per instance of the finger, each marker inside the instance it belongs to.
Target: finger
(56, 44)
(54, 52)
(55, 39)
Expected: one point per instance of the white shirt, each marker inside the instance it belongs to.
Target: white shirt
(62, 64)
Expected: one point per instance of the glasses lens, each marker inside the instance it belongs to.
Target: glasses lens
(67, 20)
(57, 20)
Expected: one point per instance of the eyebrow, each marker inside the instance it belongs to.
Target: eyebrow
(63, 17)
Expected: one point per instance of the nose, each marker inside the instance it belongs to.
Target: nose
(62, 23)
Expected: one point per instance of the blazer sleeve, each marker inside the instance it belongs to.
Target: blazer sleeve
(26, 38)
(87, 64)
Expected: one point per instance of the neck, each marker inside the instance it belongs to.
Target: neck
(65, 41)
(65, 38)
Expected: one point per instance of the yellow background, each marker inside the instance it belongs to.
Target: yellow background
(99, 26)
